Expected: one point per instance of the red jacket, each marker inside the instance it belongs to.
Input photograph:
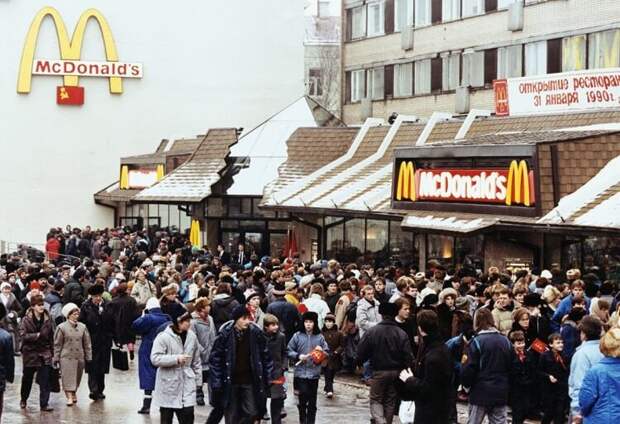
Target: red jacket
(52, 247)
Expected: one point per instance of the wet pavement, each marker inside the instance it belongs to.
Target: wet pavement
(124, 398)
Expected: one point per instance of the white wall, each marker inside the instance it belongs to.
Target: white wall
(206, 64)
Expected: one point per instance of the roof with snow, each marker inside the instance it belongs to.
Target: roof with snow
(595, 204)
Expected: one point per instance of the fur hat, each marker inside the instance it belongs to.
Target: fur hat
(172, 288)
(185, 316)
(449, 291)
(314, 317)
(68, 308)
(427, 291)
(250, 294)
(278, 289)
(546, 274)
(388, 309)
(576, 314)
(152, 303)
(290, 286)
(573, 274)
(330, 317)
(36, 300)
(420, 276)
(462, 303)
(96, 290)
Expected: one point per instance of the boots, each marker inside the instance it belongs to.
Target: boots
(146, 406)
(200, 397)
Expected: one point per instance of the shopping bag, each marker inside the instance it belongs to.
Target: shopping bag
(539, 346)
(406, 412)
(120, 361)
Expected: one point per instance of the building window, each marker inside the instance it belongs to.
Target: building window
(574, 53)
(440, 248)
(402, 248)
(422, 12)
(376, 18)
(604, 49)
(403, 14)
(354, 239)
(450, 10)
(450, 74)
(509, 61)
(375, 83)
(403, 80)
(323, 8)
(377, 240)
(315, 86)
(358, 24)
(536, 58)
(473, 69)
(422, 77)
(357, 85)
(473, 7)
(503, 4)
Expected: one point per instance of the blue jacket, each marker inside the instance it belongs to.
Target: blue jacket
(287, 314)
(148, 326)
(564, 308)
(570, 335)
(586, 356)
(599, 397)
(303, 343)
(7, 360)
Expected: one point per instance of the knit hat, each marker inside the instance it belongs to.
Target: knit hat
(5, 284)
(120, 276)
(546, 274)
(462, 303)
(250, 294)
(152, 303)
(388, 309)
(68, 309)
(35, 285)
(240, 311)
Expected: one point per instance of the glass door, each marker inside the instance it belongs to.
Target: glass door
(254, 243)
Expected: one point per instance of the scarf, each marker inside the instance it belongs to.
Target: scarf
(558, 358)
(521, 355)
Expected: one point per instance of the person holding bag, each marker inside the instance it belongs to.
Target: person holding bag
(72, 351)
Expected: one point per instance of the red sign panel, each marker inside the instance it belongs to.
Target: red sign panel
(67, 95)
(500, 87)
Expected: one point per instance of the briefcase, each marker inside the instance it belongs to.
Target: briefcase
(120, 360)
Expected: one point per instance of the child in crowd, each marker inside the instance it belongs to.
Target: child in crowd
(304, 348)
(276, 342)
(335, 342)
(522, 377)
(570, 328)
(554, 369)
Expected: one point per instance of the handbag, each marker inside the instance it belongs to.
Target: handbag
(406, 412)
(54, 379)
(120, 361)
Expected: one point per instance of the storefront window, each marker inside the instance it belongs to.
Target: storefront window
(440, 248)
(185, 223)
(334, 241)
(470, 252)
(601, 256)
(402, 249)
(377, 240)
(163, 214)
(354, 231)
(229, 223)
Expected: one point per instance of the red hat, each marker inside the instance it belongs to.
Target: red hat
(35, 285)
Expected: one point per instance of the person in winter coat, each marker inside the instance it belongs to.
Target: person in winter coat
(445, 312)
(554, 369)
(7, 360)
(170, 303)
(53, 303)
(143, 289)
(315, 302)
(176, 354)
(276, 343)
(124, 311)
(367, 316)
(252, 302)
(307, 372)
(223, 305)
(502, 311)
(599, 397)
(74, 290)
(430, 382)
(37, 335)
(522, 377)
(95, 314)
(569, 330)
(204, 328)
(240, 369)
(335, 342)
(577, 289)
(148, 326)
(72, 351)
(13, 310)
(387, 350)
(487, 371)
(287, 313)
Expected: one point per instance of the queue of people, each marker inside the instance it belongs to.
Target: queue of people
(227, 329)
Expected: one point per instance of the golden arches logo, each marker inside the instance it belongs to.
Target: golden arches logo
(405, 187)
(69, 49)
(518, 184)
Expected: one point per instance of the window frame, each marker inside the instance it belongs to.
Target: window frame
(355, 78)
(378, 5)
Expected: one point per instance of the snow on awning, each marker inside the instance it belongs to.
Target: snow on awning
(453, 224)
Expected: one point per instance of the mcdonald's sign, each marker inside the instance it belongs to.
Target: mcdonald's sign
(512, 186)
(500, 88)
(70, 66)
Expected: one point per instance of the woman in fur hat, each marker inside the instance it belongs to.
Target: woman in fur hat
(72, 351)
(445, 312)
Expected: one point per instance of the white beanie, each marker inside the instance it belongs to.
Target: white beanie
(68, 308)
(5, 284)
(152, 303)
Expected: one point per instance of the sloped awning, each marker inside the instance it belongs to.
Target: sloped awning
(192, 181)
(447, 223)
(595, 204)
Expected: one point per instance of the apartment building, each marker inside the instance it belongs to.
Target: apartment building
(417, 57)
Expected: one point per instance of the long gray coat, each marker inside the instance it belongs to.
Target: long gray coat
(72, 349)
(205, 332)
(175, 385)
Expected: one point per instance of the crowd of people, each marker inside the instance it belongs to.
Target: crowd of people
(226, 328)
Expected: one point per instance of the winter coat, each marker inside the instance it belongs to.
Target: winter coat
(74, 293)
(124, 312)
(548, 366)
(53, 304)
(98, 322)
(276, 343)
(563, 309)
(367, 315)
(599, 398)
(571, 336)
(7, 359)
(37, 345)
(503, 318)
(205, 332)
(221, 309)
(222, 361)
(287, 314)
(148, 326)
(431, 384)
(175, 385)
(586, 356)
(142, 291)
(174, 309)
(386, 346)
(316, 304)
(341, 309)
(523, 375)
(445, 316)
(303, 343)
(487, 369)
(335, 342)
(72, 349)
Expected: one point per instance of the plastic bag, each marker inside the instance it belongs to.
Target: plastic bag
(406, 412)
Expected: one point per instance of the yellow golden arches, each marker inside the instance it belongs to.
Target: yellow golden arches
(518, 178)
(124, 180)
(69, 50)
(160, 172)
(405, 186)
